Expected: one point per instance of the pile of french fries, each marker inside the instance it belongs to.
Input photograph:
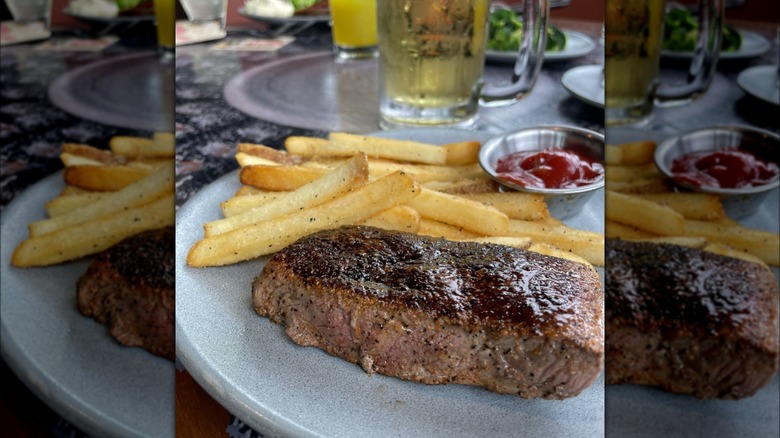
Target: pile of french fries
(316, 184)
(641, 204)
(109, 195)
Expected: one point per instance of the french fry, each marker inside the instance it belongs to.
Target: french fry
(643, 214)
(73, 190)
(243, 203)
(399, 218)
(161, 145)
(144, 191)
(613, 155)
(700, 206)
(104, 178)
(65, 204)
(622, 231)
(461, 212)
(658, 184)
(586, 244)
(430, 227)
(637, 153)
(425, 173)
(725, 250)
(462, 153)
(270, 236)
(761, 244)
(543, 248)
(344, 144)
(74, 151)
(516, 205)
(305, 146)
(633, 173)
(245, 159)
(93, 236)
(279, 178)
(69, 160)
(351, 174)
(269, 153)
(481, 184)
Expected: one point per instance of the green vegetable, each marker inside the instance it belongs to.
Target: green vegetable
(303, 4)
(506, 31)
(681, 29)
(128, 4)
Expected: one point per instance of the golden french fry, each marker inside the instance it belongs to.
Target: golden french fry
(586, 244)
(550, 250)
(430, 227)
(622, 231)
(461, 212)
(267, 152)
(636, 153)
(88, 153)
(270, 236)
(144, 191)
(481, 184)
(332, 185)
(305, 146)
(425, 172)
(73, 190)
(344, 144)
(399, 218)
(613, 154)
(643, 214)
(93, 236)
(759, 243)
(700, 206)
(632, 173)
(161, 145)
(725, 250)
(279, 178)
(104, 178)
(516, 205)
(67, 203)
(245, 159)
(659, 184)
(69, 160)
(461, 153)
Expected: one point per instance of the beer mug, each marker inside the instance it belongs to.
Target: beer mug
(432, 58)
(633, 38)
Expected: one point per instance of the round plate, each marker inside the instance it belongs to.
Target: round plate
(586, 83)
(132, 91)
(753, 44)
(577, 44)
(279, 388)
(762, 82)
(68, 360)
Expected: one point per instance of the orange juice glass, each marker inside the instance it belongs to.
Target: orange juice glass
(354, 28)
(165, 16)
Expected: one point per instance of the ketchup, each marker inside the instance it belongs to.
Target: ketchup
(553, 168)
(728, 168)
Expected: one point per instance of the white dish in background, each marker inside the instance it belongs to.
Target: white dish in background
(68, 360)
(279, 388)
(753, 44)
(762, 82)
(586, 83)
(577, 44)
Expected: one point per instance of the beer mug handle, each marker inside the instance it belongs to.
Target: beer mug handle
(529, 58)
(705, 56)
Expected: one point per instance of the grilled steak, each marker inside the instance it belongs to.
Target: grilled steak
(435, 311)
(689, 321)
(129, 287)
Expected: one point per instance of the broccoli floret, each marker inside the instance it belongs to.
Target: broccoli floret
(506, 31)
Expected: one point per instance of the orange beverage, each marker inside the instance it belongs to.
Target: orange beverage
(354, 27)
(165, 16)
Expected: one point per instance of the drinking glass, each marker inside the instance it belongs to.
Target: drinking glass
(354, 29)
(432, 58)
(165, 18)
(633, 40)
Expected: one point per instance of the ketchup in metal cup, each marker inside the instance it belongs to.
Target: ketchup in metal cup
(727, 168)
(553, 168)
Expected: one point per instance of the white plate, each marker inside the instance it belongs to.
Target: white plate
(586, 83)
(69, 360)
(761, 81)
(753, 44)
(279, 388)
(577, 44)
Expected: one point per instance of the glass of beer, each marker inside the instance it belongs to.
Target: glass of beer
(354, 29)
(633, 38)
(432, 57)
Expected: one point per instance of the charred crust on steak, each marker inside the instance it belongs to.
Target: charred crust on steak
(689, 321)
(436, 311)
